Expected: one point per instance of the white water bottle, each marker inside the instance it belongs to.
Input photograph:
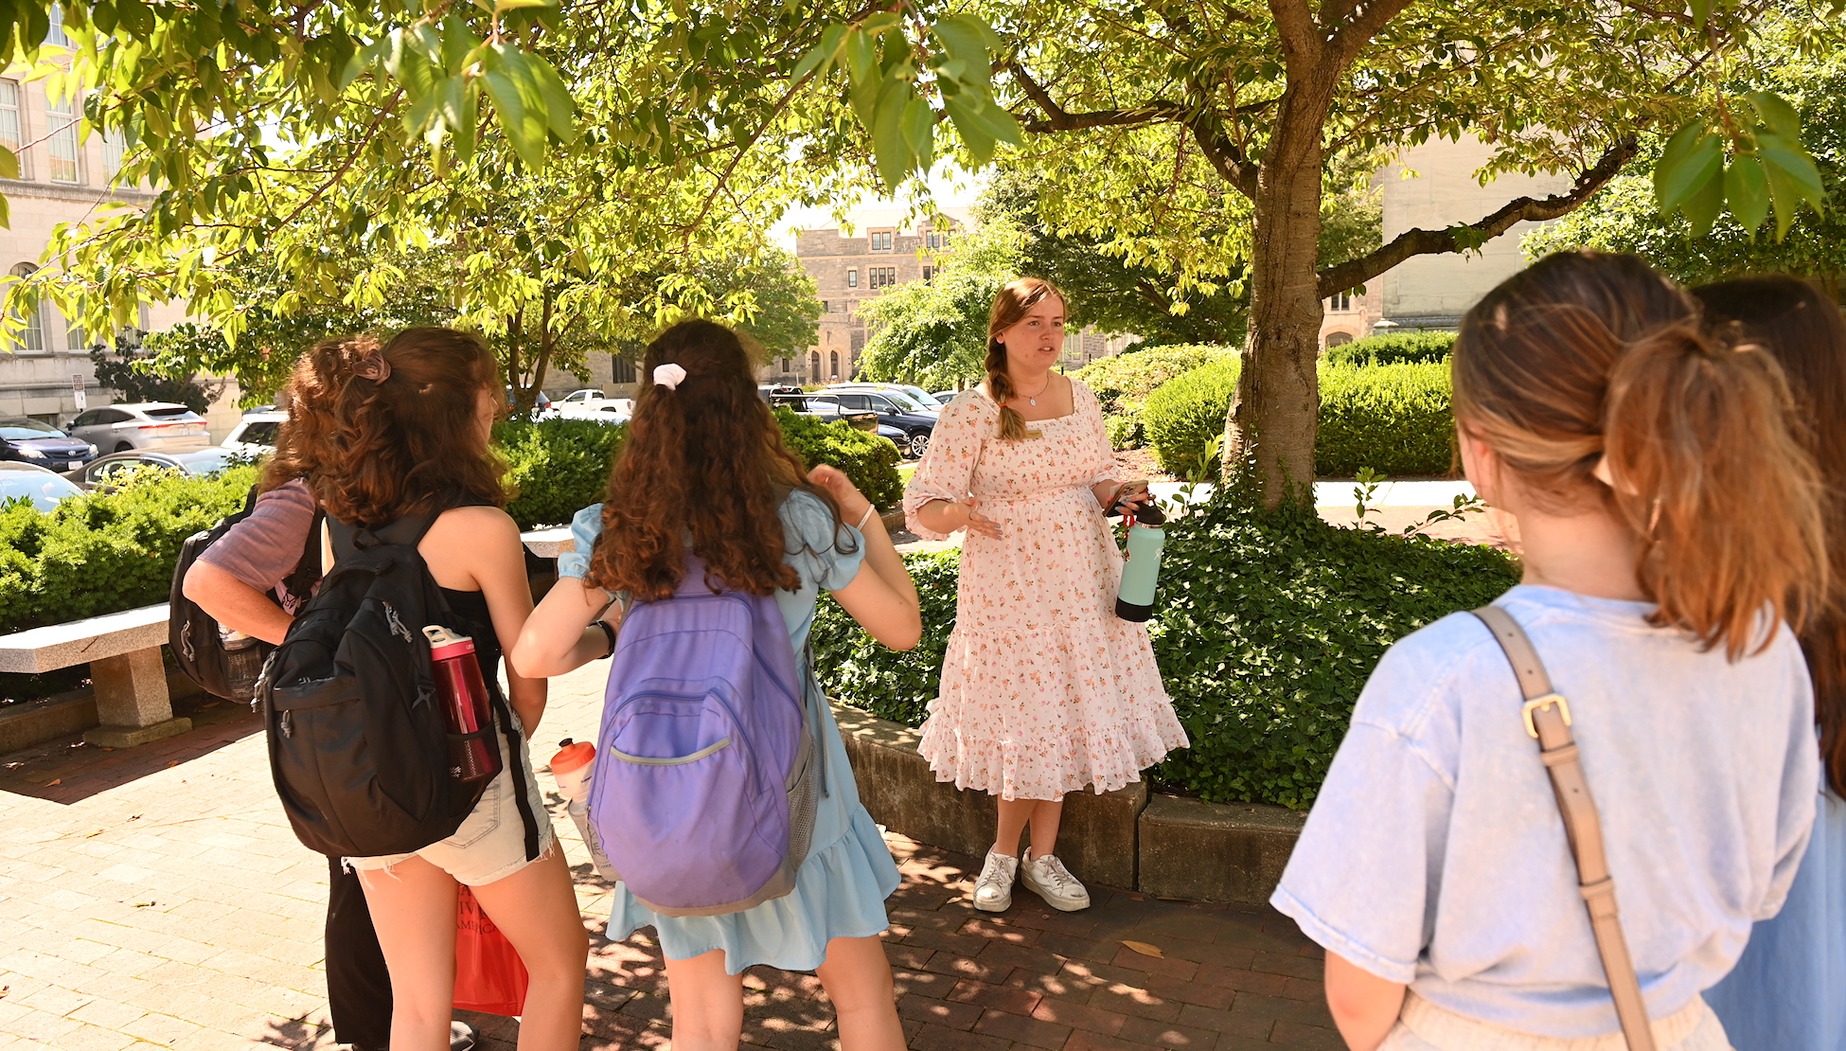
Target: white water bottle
(571, 768)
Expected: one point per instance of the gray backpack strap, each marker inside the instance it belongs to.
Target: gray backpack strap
(815, 697)
(1547, 719)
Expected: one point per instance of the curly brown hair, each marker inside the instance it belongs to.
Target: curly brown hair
(711, 444)
(383, 432)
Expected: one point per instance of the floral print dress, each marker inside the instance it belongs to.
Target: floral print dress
(1044, 689)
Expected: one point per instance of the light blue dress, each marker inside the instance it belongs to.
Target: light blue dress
(1788, 990)
(841, 888)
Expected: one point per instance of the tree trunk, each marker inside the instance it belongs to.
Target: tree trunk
(1272, 420)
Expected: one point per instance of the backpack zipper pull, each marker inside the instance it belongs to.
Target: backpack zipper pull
(288, 725)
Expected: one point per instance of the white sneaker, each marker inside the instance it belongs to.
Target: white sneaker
(993, 892)
(1053, 882)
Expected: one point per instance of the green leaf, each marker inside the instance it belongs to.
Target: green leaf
(1702, 208)
(1776, 114)
(1693, 157)
(891, 148)
(1792, 179)
(9, 164)
(510, 105)
(1746, 189)
(560, 108)
(861, 55)
(1701, 12)
(514, 5)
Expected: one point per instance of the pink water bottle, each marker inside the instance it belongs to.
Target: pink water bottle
(463, 694)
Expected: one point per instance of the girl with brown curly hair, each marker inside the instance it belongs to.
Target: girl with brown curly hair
(704, 468)
(376, 434)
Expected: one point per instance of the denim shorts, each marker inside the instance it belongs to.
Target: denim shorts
(490, 845)
(1422, 1026)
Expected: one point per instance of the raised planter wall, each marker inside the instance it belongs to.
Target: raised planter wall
(1131, 839)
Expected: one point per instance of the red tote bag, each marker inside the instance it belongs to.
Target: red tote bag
(489, 975)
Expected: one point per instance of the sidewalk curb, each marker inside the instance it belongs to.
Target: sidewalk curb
(1130, 839)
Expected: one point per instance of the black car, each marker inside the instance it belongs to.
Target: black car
(893, 410)
(30, 441)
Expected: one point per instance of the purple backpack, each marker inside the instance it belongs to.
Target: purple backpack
(705, 782)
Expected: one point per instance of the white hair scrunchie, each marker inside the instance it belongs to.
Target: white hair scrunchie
(669, 375)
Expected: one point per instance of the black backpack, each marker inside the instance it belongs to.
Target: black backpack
(192, 633)
(358, 742)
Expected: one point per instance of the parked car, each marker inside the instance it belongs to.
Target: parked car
(25, 481)
(893, 408)
(943, 397)
(828, 408)
(141, 425)
(255, 434)
(107, 472)
(923, 399)
(29, 441)
(589, 403)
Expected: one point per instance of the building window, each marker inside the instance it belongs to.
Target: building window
(115, 147)
(881, 241)
(883, 276)
(833, 358)
(852, 279)
(12, 121)
(61, 141)
(814, 365)
(1338, 339)
(57, 35)
(32, 338)
(787, 364)
(928, 272)
(621, 370)
(1340, 303)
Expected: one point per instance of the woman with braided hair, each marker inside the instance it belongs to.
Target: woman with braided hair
(1044, 690)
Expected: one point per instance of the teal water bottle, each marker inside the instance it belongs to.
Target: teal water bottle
(1146, 536)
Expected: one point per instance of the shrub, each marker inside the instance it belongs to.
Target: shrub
(104, 552)
(1123, 383)
(561, 465)
(1183, 416)
(869, 460)
(1394, 419)
(1266, 629)
(1393, 348)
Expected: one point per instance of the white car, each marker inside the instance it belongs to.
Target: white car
(31, 482)
(255, 434)
(589, 403)
(141, 425)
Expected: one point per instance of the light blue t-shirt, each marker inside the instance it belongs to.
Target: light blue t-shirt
(1435, 855)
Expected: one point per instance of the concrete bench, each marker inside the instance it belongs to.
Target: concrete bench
(123, 651)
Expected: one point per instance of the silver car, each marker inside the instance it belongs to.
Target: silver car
(30, 482)
(141, 425)
(108, 472)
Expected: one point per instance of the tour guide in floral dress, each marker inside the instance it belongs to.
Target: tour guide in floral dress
(1044, 690)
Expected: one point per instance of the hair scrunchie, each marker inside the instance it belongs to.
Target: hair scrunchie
(669, 375)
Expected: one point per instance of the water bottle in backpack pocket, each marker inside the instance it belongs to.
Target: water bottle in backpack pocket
(707, 774)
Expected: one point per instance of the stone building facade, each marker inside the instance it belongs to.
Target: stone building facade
(62, 178)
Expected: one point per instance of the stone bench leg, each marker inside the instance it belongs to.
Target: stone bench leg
(131, 701)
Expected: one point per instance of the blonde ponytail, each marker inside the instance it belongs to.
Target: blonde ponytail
(1586, 361)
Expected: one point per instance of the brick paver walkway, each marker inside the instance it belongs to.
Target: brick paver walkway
(154, 897)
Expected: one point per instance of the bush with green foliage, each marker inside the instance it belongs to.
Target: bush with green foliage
(1266, 627)
(561, 465)
(104, 552)
(1186, 413)
(1394, 419)
(1122, 383)
(1392, 349)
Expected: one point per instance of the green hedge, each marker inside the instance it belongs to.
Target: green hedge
(1186, 413)
(559, 466)
(1393, 348)
(1394, 419)
(1266, 629)
(1123, 383)
(104, 552)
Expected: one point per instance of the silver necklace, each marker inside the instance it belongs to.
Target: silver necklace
(1032, 399)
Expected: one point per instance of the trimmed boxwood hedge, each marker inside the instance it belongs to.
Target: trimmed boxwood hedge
(1394, 419)
(1267, 626)
(1123, 383)
(1392, 349)
(104, 552)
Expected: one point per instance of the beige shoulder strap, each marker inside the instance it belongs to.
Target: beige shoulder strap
(1547, 718)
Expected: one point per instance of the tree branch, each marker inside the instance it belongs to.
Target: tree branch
(1350, 35)
(1355, 272)
(1059, 119)
(1295, 26)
